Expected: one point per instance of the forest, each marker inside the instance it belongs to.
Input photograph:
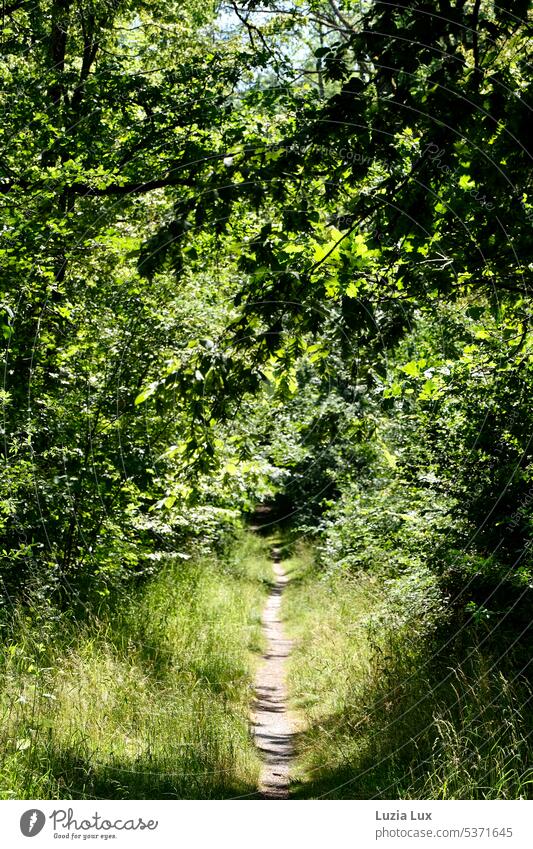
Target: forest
(266, 287)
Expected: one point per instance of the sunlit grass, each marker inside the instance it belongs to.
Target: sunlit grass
(384, 718)
(149, 703)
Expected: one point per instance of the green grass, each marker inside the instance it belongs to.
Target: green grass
(385, 717)
(150, 702)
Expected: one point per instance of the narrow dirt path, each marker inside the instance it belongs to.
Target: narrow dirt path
(274, 729)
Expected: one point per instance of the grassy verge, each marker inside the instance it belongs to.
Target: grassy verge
(389, 712)
(150, 702)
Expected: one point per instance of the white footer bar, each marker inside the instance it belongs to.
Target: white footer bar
(254, 824)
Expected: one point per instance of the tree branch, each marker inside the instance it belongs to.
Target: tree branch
(475, 34)
(14, 7)
(90, 49)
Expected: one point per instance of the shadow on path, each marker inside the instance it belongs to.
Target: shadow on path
(273, 726)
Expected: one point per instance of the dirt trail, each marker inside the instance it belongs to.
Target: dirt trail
(274, 728)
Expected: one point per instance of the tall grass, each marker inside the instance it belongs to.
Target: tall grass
(148, 702)
(389, 712)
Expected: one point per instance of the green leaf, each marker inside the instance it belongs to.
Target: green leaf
(146, 393)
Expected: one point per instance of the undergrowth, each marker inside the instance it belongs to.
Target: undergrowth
(390, 709)
(148, 702)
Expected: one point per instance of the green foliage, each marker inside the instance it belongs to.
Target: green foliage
(394, 707)
(149, 700)
(283, 258)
